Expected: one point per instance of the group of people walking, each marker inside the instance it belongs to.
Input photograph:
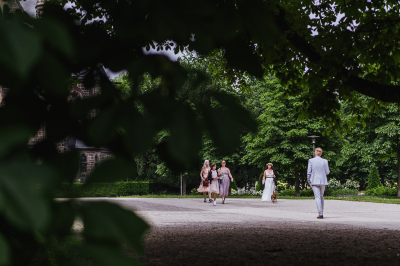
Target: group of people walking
(215, 181)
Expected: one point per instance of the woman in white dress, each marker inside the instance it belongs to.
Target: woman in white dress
(269, 181)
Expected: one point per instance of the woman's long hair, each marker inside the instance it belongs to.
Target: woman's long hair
(205, 166)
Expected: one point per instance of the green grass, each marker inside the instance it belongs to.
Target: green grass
(376, 199)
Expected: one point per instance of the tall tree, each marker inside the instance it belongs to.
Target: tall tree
(371, 140)
(283, 138)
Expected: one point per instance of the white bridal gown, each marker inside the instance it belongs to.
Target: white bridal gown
(269, 186)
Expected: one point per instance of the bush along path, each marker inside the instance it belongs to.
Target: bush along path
(79, 190)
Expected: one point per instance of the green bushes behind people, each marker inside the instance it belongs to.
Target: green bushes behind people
(328, 192)
(381, 191)
(80, 190)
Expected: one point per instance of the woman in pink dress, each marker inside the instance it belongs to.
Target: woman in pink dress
(204, 176)
(226, 179)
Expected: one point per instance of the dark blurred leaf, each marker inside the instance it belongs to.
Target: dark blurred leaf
(223, 129)
(240, 54)
(21, 186)
(67, 164)
(236, 110)
(104, 127)
(107, 221)
(138, 132)
(63, 217)
(55, 32)
(185, 135)
(15, 136)
(4, 251)
(20, 47)
(112, 170)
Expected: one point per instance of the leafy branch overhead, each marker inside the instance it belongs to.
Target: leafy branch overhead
(322, 61)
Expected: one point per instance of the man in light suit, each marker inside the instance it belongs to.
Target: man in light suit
(317, 171)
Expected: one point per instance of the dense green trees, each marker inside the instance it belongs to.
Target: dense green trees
(371, 140)
(358, 53)
(373, 178)
(282, 137)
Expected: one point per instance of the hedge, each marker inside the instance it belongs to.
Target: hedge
(328, 192)
(381, 191)
(80, 190)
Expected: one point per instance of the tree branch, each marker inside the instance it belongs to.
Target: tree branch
(376, 90)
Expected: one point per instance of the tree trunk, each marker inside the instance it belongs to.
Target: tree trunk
(183, 185)
(398, 170)
(297, 181)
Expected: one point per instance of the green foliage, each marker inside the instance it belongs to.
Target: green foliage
(306, 193)
(42, 59)
(79, 190)
(233, 185)
(194, 192)
(356, 54)
(281, 186)
(260, 185)
(340, 191)
(371, 138)
(333, 183)
(373, 178)
(282, 138)
(328, 192)
(287, 192)
(351, 184)
(382, 191)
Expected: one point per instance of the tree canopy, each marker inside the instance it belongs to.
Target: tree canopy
(319, 58)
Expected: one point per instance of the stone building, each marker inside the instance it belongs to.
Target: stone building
(89, 156)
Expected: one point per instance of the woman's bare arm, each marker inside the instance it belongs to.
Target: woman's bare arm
(229, 173)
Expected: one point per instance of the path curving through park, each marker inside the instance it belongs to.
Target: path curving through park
(249, 232)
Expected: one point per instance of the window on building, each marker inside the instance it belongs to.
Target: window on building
(96, 160)
(83, 163)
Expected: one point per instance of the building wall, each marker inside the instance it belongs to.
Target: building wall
(90, 158)
(12, 4)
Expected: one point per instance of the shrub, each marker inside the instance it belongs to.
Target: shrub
(79, 190)
(242, 192)
(334, 183)
(194, 192)
(351, 184)
(382, 191)
(287, 192)
(373, 178)
(341, 191)
(258, 187)
(281, 186)
(306, 193)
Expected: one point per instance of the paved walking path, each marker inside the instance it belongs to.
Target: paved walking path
(191, 212)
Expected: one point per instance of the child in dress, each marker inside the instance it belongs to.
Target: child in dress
(213, 177)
